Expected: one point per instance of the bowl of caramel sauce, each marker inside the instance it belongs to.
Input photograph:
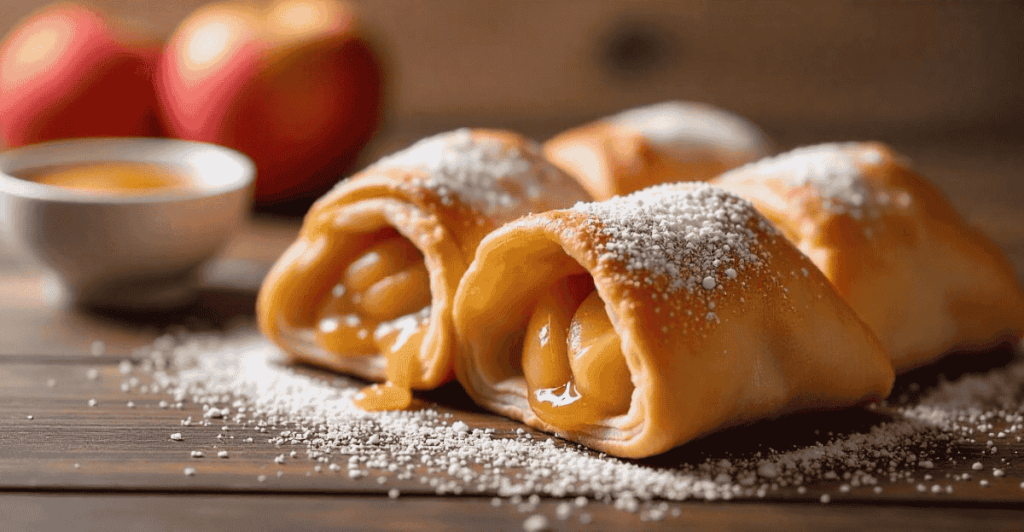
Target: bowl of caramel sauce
(116, 178)
(123, 222)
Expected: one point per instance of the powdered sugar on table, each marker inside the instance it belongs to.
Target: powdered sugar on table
(246, 379)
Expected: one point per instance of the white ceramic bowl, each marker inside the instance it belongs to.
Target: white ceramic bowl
(126, 251)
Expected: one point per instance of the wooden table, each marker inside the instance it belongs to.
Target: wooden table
(65, 465)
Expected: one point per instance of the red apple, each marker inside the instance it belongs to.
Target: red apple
(293, 85)
(67, 71)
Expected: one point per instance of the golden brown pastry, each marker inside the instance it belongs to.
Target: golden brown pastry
(892, 245)
(640, 323)
(368, 286)
(661, 143)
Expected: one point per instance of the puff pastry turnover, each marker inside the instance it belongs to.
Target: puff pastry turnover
(661, 143)
(892, 245)
(367, 287)
(639, 323)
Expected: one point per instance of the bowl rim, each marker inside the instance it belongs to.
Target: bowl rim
(241, 174)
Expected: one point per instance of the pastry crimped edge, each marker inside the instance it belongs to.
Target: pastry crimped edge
(445, 227)
(936, 286)
(660, 342)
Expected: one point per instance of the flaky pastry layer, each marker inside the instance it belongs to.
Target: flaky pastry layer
(892, 245)
(442, 195)
(721, 320)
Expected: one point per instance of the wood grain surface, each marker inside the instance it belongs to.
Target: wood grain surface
(66, 465)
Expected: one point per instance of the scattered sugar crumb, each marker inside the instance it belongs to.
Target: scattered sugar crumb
(310, 417)
(536, 523)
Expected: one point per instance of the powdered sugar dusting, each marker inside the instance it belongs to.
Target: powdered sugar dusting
(685, 236)
(680, 126)
(977, 419)
(834, 172)
(461, 167)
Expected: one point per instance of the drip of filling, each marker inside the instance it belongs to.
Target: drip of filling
(572, 357)
(381, 305)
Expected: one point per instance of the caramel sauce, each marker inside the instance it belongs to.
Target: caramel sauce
(122, 178)
(381, 306)
(386, 396)
(573, 364)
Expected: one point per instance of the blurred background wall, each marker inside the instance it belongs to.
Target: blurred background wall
(941, 81)
(849, 67)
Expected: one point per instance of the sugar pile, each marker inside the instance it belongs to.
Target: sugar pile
(241, 379)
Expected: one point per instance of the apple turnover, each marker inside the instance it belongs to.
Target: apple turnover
(639, 323)
(367, 288)
(892, 245)
(661, 143)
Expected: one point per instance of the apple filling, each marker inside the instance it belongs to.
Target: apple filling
(381, 305)
(573, 364)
